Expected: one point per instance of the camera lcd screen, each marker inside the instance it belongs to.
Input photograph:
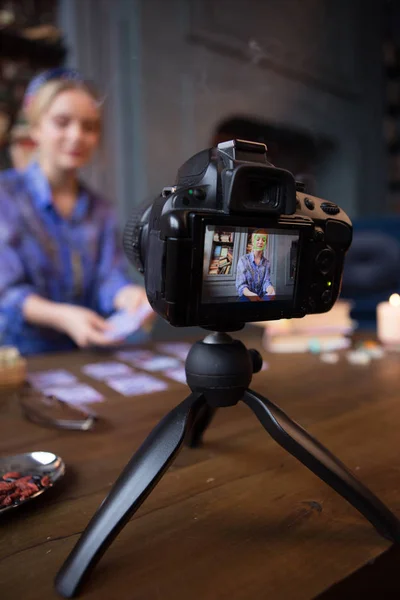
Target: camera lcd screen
(246, 264)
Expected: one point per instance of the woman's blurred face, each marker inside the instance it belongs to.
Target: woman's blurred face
(259, 241)
(68, 132)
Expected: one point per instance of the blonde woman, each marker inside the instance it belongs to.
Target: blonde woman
(61, 268)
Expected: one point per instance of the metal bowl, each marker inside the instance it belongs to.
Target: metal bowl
(38, 464)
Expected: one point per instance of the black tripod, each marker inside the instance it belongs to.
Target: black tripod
(219, 370)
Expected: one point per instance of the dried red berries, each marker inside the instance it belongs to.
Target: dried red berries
(14, 488)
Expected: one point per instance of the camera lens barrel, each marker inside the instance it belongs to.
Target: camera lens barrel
(134, 238)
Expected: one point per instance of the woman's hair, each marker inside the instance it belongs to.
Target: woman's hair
(262, 231)
(42, 99)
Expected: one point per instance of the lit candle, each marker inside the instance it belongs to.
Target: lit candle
(388, 320)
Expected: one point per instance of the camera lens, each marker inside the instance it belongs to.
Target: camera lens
(135, 236)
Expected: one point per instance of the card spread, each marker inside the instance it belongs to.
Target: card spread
(178, 349)
(42, 379)
(132, 355)
(136, 385)
(79, 393)
(177, 374)
(157, 363)
(106, 369)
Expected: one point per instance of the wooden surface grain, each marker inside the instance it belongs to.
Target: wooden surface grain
(238, 518)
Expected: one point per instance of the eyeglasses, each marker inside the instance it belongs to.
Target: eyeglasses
(49, 411)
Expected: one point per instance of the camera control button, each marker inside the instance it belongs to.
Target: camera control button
(318, 235)
(325, 260)
(326, 297)
(199, 193)
(329, 208)
(310, 204)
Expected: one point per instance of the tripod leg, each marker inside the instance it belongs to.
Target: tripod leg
(203, 419)
(139, 477)
(325, 465)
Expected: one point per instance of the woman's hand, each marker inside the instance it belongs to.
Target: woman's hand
(248, 293)
(270, 291)
(84, 326)
(131, 298)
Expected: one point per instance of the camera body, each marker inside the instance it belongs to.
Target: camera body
(235, 241)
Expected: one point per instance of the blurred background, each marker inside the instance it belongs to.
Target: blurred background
(317, 81)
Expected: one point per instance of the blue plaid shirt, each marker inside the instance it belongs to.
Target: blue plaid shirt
(255, 277)
(77, 261)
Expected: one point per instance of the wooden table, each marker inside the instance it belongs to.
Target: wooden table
(236, 519)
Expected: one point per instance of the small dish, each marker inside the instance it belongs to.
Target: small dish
(28, 476)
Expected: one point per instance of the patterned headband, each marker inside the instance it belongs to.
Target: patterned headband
(42, 78)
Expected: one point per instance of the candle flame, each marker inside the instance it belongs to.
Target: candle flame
(394, 300)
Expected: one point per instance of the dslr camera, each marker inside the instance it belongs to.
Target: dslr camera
(237, 240)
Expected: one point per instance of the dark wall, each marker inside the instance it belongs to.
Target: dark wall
(173, 71)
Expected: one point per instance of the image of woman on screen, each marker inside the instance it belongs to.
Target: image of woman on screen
(253, 282)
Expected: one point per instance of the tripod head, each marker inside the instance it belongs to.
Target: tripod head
(221, 369)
